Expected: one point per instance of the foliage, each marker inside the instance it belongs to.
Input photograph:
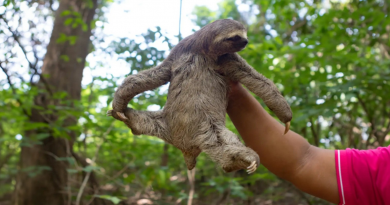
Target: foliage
(330, 61)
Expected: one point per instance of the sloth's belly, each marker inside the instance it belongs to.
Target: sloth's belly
(200, 90)
(195, 100)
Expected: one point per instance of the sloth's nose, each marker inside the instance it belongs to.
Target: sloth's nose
(244, 41)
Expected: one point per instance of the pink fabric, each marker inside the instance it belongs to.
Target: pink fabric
(363, 176)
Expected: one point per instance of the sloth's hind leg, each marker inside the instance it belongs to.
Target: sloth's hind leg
(144, 122)
(231, 154)
(190, 158)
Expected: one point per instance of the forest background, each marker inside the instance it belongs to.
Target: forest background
(60, 65)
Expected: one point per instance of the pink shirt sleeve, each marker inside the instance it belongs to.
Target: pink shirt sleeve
(363, 176)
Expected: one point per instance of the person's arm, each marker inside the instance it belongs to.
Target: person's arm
(289, 156)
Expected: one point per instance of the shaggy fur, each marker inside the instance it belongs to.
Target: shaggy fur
(193, 119)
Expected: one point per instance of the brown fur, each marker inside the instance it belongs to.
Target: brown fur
(193, 119)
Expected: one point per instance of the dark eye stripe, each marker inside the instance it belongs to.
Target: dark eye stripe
(235, 38)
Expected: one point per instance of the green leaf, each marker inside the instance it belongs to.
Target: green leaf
(64, 58)
(72, 171)
(113, 199)
(72, 40)
(35, 125)
(62, 39)
(66, 13)
(90, 168)
(41, 136)
(68, 21)
(129, 178)
(84, 27)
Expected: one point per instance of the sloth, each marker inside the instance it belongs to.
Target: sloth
(199, 69)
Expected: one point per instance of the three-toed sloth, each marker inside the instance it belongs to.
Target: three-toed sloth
(199, 69)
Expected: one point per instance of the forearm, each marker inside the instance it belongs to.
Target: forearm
(260, 131)
(289, 156)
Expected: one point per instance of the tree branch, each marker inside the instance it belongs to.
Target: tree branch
(370, 119)
(315, 135)
(13, 89)
(296, 26)
(8, 79)
(6, 158)
(33, 66)
(191, 180)
(86, 178)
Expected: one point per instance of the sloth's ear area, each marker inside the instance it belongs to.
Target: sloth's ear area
(207, 41)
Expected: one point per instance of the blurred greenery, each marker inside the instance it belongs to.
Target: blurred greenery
(330, 59)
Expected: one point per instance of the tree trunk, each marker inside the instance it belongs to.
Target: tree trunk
(43, 179)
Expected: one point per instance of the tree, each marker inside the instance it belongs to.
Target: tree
(62, 71)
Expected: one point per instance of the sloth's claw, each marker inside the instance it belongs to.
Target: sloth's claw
(252, 168)
(251, 165)
(287, 127)
(251, 171)
(121, 115)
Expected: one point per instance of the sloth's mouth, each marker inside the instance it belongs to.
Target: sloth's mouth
(241, 44)
(244, 42)
(240, 47)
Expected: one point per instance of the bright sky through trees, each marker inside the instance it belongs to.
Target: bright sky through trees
(131, 18)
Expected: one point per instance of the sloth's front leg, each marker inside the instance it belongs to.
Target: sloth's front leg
(135, 84)
(227, 150)
(237, 69)
(143, 122)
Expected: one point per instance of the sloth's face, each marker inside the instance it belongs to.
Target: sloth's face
(231, 42)
(236, 43)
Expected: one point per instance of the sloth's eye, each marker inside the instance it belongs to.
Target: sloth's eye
(234, 38)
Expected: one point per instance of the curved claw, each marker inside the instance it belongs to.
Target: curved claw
(109, 113)
(287, 127)
(251, 165)
(252, 168)
(121, 115)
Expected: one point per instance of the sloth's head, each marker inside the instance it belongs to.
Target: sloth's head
(223, 36)
(215, 39)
